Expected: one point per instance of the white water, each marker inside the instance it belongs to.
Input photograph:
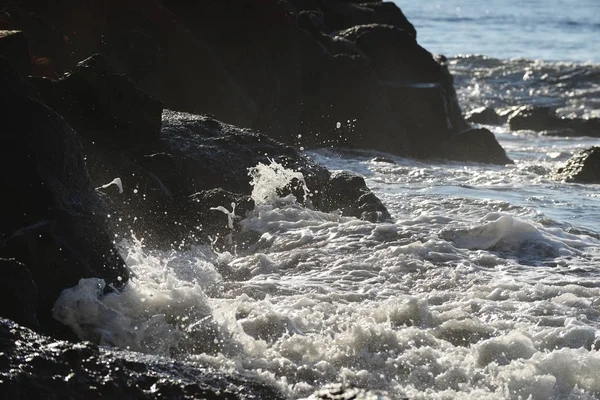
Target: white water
(480, 289)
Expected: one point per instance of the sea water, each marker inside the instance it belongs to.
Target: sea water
(551, 30)
(485, 284)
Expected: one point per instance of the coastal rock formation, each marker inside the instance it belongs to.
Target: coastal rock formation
(545, 119)
(306, 73)
(34, 366)
(583, 167)
(52, 222)
(168, 161)
(98, 101)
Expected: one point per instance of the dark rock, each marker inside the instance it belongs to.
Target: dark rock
(50, 220)
(344, 14)
(477, 145)
(485, 115)
(170, 190)
(18, 293)
(34, 366)
(212, 224)
(313, 22)
(214, 154)
(395, 54)
(151, 45)
(305, 5)
(13, 46)
(267, 63)
(418, 89)
(546, 119)
(49, 47)
(532, 118)
(414, 107)
(334, 115)
(349, 194)
(583, 167)
(94, 99)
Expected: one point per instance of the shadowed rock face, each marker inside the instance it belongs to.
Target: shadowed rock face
(477, 145)
(306, 73)
(50, 222)
(583, 167)
(35, 367)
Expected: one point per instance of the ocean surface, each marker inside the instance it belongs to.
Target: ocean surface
(550, 30)
(486, 285)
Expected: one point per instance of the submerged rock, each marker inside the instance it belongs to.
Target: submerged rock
(545, 119)
(51, 217)
(583, 167)
(35, 366)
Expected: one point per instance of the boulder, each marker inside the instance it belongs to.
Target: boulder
(14, 47)
(583, 167)
(51, 220)
(142, 40)
(395, 54)
(97, 101)
(334, 115)
(267, 63)
(39, 367)
(420, 110)
(214, 154)
(349, 194)
(418, 87)
(476, 145)
(546, 119)
(484, 115)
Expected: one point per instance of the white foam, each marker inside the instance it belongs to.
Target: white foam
(266, 180)
(442, 304)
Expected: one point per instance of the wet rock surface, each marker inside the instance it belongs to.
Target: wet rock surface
(305, 73)
(478, 145)
(35, 366)
(583, 167)
(51, 222)
(485, 115)
(289, 69)
(545, 119)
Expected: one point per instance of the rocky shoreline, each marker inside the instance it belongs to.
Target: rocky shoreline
(179, 101)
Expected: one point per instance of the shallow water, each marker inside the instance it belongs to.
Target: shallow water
(486, 285)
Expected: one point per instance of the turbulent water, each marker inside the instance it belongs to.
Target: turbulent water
(486, 285)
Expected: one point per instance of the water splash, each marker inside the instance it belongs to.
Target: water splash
(270, 182)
